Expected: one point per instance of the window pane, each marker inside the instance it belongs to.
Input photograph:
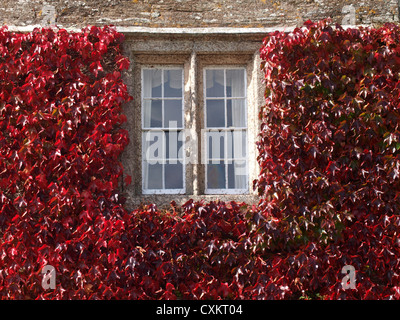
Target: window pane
(215, 113)
(151, 83)
(231, 176)
(152, 175)
(235, 110)
(216, 176)
(237, 175)
(153, 146)
(216, 145)
(235, 83)
(174, 176)
(173, 113)
(237, 144)
(215, 83)
(152, 113)
(173, 83)
(174, 144)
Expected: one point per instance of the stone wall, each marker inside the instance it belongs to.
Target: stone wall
(195, 13)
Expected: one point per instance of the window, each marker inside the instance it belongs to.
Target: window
(225, 130)
(163, 169)
(192, 124)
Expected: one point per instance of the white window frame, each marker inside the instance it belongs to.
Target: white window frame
(163, 129)
(204, 153)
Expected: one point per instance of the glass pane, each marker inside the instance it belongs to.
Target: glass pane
(236, 144)
(231, 176)
(235, 110)
(215, 113)
(235, 83)
(237, 175)
(215, 83)
(151, 83)
(174, 144)
(173, 83)
(153, 149)
(174, 176)
(152, 111)
(152, 176)
(216, 176)
(216, 145)
(173, 113)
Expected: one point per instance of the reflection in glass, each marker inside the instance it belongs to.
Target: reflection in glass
(173, 83)
(235, 109)
(215, 83)
(154, 175)
(173, 114)
(235, 83)
(174, 176)
(237, 175)
(151, 83)
(216, 176)
(215, 113)
(152, 113)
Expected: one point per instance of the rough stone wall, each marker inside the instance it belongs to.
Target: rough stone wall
(195, 13)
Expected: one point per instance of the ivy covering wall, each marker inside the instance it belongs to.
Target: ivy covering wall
(329, 181)
(330, 154)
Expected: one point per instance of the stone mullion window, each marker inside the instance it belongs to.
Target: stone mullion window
(193, 64)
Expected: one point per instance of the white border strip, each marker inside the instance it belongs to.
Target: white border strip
(179, 31)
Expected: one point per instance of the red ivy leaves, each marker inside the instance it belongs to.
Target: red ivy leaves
(329, 153)
(60, 115)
